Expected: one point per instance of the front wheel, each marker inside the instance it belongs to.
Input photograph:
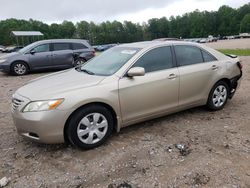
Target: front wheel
(90, 127)
(19, 68)
(218, 96)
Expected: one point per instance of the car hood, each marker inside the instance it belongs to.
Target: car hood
(56, 84)
(10, 55)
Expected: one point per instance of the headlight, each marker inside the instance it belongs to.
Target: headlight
(37, 106)
(2, 60)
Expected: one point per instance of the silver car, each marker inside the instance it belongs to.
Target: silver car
(124, 85)
(47, 54)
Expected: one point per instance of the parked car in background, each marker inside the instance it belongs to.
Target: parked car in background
(230, 37)
(2, 48)
(167, 39)
(125, 85)
(47, 54)
(104, 47)
(11, 49)
(244, 35)
(203, 40)
(211, 38)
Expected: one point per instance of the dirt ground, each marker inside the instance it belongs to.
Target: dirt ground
(143, 155)
(231, 44)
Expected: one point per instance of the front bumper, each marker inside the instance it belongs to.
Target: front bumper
(5, 68)
(44, 127)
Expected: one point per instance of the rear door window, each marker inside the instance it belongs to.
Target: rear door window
(156, 60)
(188, 55)
(78, 46)
(61, 46)
(207, 56)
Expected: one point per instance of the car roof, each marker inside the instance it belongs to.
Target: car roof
(85, 42)
(149, 44)
(62, 40)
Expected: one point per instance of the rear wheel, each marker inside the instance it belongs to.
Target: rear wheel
(19, 68)
(90, 127)
(218, 96)
(79, 62)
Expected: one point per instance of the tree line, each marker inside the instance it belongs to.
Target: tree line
(224, 22)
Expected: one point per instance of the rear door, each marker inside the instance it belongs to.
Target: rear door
(79, 49)
(40, 57)
(62, 55)
(154, 93)
(197, 70)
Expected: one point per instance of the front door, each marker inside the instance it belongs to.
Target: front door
(40, 57)
(154, 93)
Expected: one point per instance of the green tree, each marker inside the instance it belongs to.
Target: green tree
(245, 24)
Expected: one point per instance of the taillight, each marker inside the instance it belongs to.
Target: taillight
(239, 65)
(93, 52)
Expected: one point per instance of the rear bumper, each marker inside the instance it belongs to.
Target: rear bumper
(234, 84)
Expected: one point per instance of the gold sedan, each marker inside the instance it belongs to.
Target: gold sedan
(127, 84)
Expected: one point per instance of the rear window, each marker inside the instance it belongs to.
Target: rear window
(78, 46)
(61, 46)
(208, 57)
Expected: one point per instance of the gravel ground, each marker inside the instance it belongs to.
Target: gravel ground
(217, 152)
(231, 44)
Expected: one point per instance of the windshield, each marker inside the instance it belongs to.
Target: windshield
(109, 61)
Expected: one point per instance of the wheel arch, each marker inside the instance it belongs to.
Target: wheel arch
(22, 61)
(114, 115)
(226, 80)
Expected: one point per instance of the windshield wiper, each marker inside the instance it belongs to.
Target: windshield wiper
(87, 71)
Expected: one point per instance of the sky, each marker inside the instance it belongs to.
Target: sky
(56, 11)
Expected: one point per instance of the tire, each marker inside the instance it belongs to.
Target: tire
(218, 96)
(79, 61)
(19, 68)
(90, 127)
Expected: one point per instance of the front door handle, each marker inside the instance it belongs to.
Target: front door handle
(172, 76)
(215, 67)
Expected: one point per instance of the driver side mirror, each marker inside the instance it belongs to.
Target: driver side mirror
(136, 71)
(32, 52)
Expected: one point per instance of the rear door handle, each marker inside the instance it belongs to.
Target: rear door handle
(172, 76)
(215, 67)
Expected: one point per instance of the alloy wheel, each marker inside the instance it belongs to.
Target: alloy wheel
(219, 96)
(20, 69)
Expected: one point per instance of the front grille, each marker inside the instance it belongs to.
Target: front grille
(16, 103)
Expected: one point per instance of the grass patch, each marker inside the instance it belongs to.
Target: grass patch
(238, 52)
(97, 53)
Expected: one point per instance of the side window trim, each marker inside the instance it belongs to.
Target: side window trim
(71, 46)
(174, 60)
(202, 55)
(51, 47)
